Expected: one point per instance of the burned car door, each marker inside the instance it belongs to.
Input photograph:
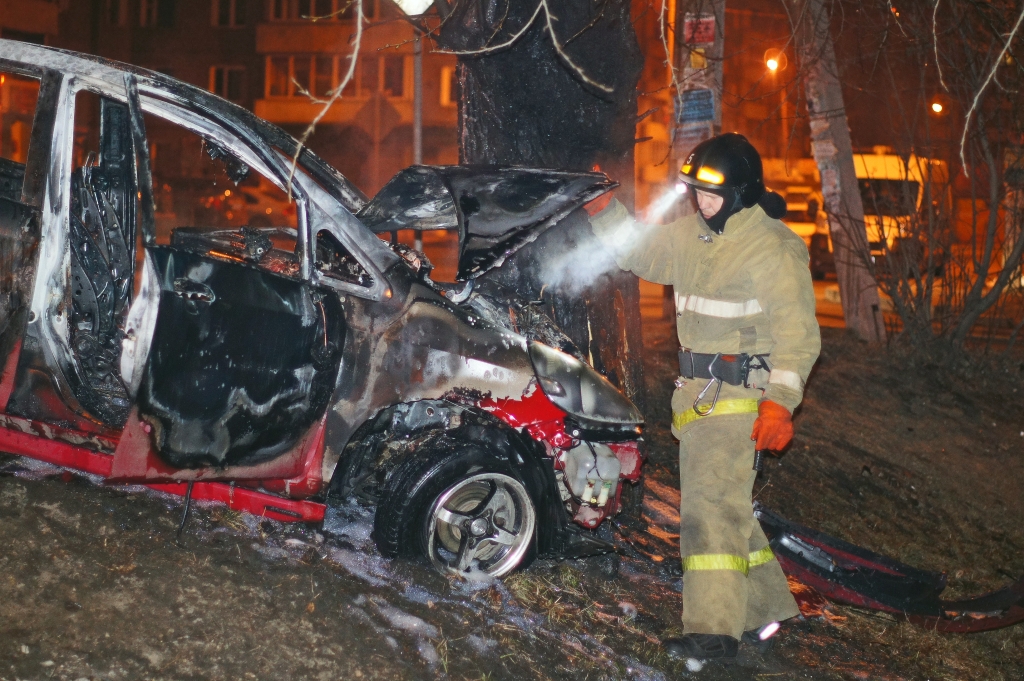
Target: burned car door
(243, 354)
(20, 203)
(242, 361)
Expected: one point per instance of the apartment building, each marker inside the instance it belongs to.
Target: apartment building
(367, 133)
(281, 59)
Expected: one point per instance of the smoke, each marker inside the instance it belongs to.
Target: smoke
(579, 268)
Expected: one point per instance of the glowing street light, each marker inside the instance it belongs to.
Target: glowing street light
(775, 60)
(414, 7)
(936, 107)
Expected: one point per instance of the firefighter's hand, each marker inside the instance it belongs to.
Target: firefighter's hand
(598, 204)
(773, 428)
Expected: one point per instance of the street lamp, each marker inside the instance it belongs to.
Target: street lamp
(936, 107)
(775, 60)
(414, 8)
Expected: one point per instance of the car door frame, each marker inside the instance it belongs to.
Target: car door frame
(33, 199)
(134, 459)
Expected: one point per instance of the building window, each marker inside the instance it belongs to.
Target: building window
(393, 83)
(228, 13)
(117, 12)
(447, 86)
(305, 75)
(279, 76)
(156, 13)
(319, 10)
(324, 79)
(227, 81)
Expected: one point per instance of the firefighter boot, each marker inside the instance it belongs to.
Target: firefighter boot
(701, 646)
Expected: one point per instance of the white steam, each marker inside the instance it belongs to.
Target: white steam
(579, 268)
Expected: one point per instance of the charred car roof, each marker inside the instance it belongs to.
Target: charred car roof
(15, 54)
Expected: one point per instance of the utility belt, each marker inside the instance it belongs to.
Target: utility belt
(731, 369)
(720, 368)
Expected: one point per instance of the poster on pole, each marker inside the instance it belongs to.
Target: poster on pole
(699, 29)
(695, 106)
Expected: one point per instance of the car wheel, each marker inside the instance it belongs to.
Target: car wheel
(465, 512)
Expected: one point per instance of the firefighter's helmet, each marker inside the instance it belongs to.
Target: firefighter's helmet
(723, 163)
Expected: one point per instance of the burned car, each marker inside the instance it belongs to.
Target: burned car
(301, 359)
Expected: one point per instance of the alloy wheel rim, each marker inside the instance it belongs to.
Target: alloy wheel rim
(482, 523)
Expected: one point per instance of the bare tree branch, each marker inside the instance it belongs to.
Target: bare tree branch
(549, 20)
(981, 90)
(335, 94)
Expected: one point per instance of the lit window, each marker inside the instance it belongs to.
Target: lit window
(447, 82)
(228, 13)
(228, 82)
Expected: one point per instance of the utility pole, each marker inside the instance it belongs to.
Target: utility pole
(833, 152)
(698, 72)
(417, 114)
(699, 47)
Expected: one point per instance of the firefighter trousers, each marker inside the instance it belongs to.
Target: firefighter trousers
(731, 581)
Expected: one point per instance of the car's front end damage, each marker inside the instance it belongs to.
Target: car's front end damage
(474, 363)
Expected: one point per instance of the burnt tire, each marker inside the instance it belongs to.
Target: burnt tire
(463, 509)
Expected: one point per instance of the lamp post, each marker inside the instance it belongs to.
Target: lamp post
(415, 8)
(776, 61)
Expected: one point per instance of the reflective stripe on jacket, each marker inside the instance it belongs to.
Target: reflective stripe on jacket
(746, 290)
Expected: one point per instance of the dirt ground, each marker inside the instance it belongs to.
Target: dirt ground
(903, 457)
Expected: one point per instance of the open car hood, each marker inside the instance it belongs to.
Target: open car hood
(497, 210)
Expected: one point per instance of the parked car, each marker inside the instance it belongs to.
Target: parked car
(893, 192)
(282, 367)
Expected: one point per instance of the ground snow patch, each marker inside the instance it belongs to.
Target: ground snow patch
(474, 580)
(480, 644)
(371, 569)
(406, 622)
(428, 652)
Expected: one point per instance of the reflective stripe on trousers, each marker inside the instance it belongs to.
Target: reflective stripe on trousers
(725, 561)
(723, 407)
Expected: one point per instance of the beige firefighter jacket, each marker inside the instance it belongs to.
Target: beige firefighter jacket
(747, 290)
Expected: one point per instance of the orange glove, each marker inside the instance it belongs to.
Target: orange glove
(598, 204)
(773, 428)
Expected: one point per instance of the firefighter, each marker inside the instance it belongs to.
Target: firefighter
(749, 337)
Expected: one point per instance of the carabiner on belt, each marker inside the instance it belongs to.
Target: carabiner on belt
(718, 389)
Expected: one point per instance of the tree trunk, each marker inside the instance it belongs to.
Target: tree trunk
(527, 105)
(833, 152)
